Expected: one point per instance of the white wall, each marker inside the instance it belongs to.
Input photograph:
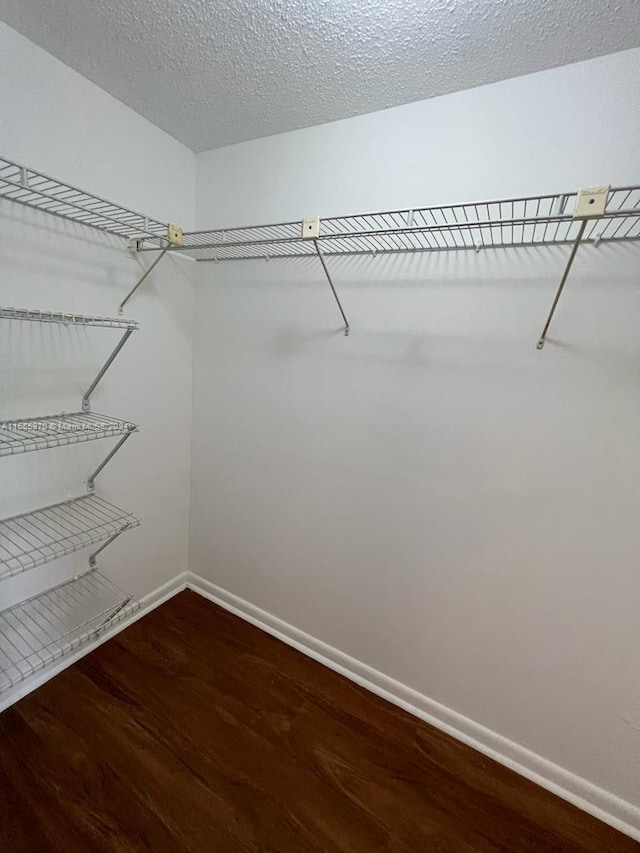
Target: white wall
(432, 495)
(56, 121)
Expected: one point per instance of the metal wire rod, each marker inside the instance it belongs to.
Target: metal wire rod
(93, 558)
(91, 481)
(52, 624)
(86, 403)
(27, 186)
(116, 613)
(38, 537)
(29, 434)
(347, 328)
(565, 275)
(34, 315)
(497, 224)
(140, 281)
(270, 240)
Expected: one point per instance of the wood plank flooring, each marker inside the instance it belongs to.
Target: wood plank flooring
(194, 731)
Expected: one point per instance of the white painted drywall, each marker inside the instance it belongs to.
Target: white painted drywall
(56, 121)
(432, 495)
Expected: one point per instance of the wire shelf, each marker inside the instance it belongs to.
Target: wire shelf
(25, 435)
(532, 221)
(35, 189)
(42, 629)
(38, 537)
(63, 319)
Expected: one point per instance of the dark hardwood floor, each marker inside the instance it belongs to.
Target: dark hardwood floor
(194, 731)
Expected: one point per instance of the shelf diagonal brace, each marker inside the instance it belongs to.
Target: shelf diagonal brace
(91, 482)
(174, 238)
(347, 328)
(117, 610)
(590, 204)
(86, 400)
(93, 558)
(563, 281)
(311, 231)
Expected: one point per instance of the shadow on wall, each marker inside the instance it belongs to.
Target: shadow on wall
(425, 268)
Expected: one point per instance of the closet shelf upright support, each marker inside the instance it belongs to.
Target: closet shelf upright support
(86, 400)
(174, 238)
(563, 281)
(311, 231)
(93, 558)
(590, 204)
(91, 482)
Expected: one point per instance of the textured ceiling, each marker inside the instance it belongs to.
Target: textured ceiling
(212, 72)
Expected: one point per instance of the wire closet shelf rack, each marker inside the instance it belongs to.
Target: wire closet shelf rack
(46, 627)
(36, 632)
(35, 189)
(38, 537)
(543, 220)
(28, 434)
(64, 319)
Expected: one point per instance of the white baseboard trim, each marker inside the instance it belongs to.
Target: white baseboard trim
(618, 813)
(147, 604)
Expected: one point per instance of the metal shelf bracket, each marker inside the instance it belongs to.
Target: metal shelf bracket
(311, 231)
(174, 238)
(91, 482)
(93, 558)
(591, 203)
(86, 400)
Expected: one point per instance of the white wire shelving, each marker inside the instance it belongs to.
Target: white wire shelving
(530, 221)
(63, 319)
(38, 631)
(29, 434)
(35, 538)
(43, 629)
(543, 220)
(32, 315)
(32, 188)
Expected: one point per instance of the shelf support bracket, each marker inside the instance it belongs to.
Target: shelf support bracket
(311, 231)
(563, 281)
(93, 558)
(114, 613)
(591, 203)
(91, 482)
(347, 328)
(86, 400)
(174, 238)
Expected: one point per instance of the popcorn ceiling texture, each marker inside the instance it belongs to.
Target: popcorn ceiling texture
(214, 72)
